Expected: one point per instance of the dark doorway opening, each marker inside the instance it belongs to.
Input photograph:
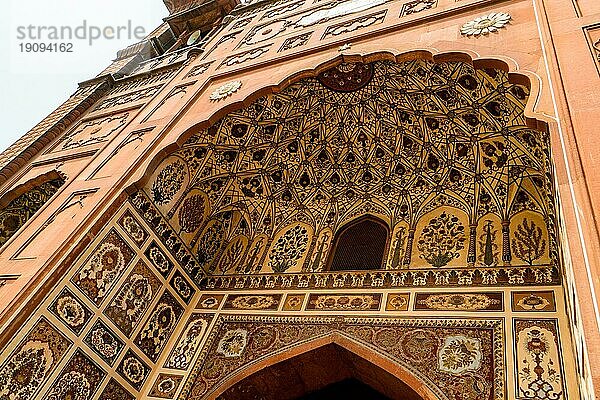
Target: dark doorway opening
(348, 389)
(329, 372)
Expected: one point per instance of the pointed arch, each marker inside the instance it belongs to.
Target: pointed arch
(23, 202)
(416, 385)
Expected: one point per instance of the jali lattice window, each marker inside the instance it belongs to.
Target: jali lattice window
(360, 245)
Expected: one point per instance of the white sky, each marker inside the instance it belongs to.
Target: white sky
(34, 84)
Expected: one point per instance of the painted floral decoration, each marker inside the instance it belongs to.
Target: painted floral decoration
(485, 24)
(233, 343)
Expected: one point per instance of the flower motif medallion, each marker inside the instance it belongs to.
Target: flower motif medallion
(485, 24)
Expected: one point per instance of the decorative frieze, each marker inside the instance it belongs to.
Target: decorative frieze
(503, 276)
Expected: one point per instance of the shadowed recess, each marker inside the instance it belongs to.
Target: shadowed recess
(329, 372)
(360, 246)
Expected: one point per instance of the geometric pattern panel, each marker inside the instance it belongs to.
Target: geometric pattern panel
(133, 298)
(159, 327)
(441, 152)
(78, 380)
(70, 311)
(104, 343)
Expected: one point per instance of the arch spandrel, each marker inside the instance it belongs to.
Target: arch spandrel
(408, 349)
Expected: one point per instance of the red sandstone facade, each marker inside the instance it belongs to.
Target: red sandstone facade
(109, 140)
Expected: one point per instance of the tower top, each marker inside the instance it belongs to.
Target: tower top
(181, 6)
(175, 6)
(196, 14)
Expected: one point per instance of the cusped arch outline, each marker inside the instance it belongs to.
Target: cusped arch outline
(396, 368)
(533, 119)
(23, 188)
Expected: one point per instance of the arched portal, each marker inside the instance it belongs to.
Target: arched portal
(318, 368)
(328, 372)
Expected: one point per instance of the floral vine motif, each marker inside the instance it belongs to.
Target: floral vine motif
(114, 390)
(134, 229)
(288, 249)
(232, 255)
(253, 302)
(28, 369)
(459, 301)
(182, 287)
(528, 242)
(413, 343)
(399, 248)
(134, 370)
(104, 342)
(71, 311)
(441, 240)
(78, 381)
(485, 24)
(212, 241)
(159, 327)
(344, 302)
(133, 298)
(539, 388)
(225, 90)
(23, 373)
(460, 354)
(419, 345)
(184, 351)
(488, 248)
(168, 182)
(107, 263)
(398, 302)
(233, 343)
(533, 302)
(165, 386)
(191, 214)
